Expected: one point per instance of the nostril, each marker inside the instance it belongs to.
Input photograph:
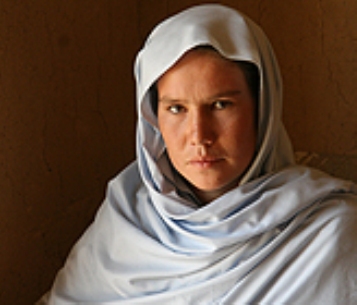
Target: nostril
(201, 141)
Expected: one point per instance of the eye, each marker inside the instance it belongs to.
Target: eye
(221, 104)
(175, 109)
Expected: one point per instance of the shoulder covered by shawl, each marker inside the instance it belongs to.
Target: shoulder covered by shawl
(280, 233)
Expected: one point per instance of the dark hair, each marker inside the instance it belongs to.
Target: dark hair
(251, 74)
(250, 71)
(154, 98)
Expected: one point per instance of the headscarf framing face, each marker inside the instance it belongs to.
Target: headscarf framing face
(236, 38)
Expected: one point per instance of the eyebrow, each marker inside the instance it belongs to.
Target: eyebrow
(230, 93)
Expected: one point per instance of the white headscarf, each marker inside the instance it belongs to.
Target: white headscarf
(237, 38)
(283, 236)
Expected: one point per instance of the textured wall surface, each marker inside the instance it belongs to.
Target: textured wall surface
(66, 127)
(67, 111)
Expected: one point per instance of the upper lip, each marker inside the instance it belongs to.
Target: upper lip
(204, 160)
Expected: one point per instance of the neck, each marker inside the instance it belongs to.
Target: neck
(206, 197)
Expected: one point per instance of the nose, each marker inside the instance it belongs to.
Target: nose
(201, 129)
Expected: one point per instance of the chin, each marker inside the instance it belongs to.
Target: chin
(216, 188)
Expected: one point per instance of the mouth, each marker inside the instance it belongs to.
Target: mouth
(205, 162)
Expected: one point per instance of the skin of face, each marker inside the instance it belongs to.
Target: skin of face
(206, 115)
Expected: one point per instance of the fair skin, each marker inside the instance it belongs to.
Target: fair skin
(206, 117)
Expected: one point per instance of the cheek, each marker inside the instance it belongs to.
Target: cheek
(240, 136)
(175, 150)
(171, 135)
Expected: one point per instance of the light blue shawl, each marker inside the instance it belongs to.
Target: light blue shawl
(285, 235)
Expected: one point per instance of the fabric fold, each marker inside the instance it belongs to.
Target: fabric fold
(284, 235)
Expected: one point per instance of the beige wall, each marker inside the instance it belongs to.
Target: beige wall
(67, 111)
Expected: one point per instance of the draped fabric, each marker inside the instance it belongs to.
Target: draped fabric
(284, 235)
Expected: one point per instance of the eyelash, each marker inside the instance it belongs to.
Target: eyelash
(221, 104)
(216, 105)
(175, 109)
